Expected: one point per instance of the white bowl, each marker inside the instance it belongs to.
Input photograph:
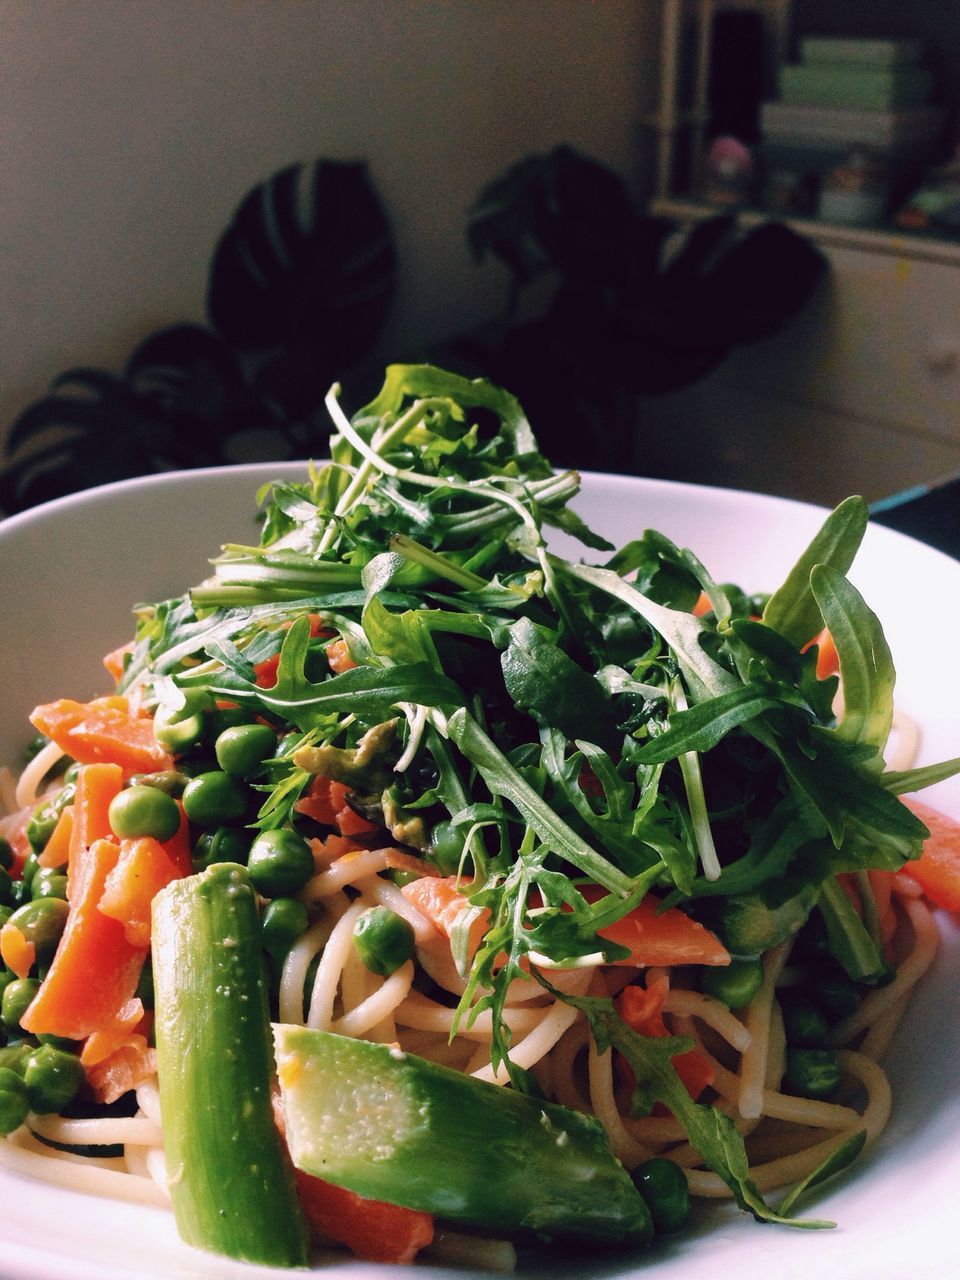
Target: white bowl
(69, 574)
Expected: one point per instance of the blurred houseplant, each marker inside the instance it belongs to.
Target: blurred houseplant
(294, 300)
(624, 317)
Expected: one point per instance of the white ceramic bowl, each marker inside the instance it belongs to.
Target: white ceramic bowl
(69, 575)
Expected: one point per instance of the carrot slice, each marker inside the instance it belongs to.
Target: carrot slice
(143, 869)
(125, 1068)
(115, 660)
(828, 660)
(15, 951)
(96, 968)
(371, 1229)
(326, 802)
(101, 1044)
(56, 852)
(102, 730)
(937, 870)
(440, 900)
(97, 785)
(670, 937)
(338, 656)
(641, 1008)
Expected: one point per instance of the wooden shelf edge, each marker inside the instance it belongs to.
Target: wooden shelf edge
(867, 239)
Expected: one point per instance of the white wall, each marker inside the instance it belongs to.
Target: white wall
(130, 129)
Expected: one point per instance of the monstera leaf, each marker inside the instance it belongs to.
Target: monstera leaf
(178, 401)
(299, 289)
(304, 277)
(561, 211)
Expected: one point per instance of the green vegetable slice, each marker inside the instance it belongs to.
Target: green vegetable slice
(395, 1127)
(232, 1187)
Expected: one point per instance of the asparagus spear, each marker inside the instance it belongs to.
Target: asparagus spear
(395, 1127)
(230, 1180)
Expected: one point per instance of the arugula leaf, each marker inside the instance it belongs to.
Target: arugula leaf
(701, 727)
(542, 680)
(842, 1156)
(793, 609)
(866, 666)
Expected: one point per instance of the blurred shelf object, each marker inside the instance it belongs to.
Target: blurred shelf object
(682, 125)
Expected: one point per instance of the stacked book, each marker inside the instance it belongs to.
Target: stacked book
(853, 96)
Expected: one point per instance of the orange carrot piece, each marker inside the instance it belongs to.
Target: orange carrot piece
(125, 1068)
(828, 660)
(115, 660)
(97, 785)
(338, 656)
(347, 820)
(56, 852)
(179, 849)
(16, 952)
(101, 1044)
(641, 1008)
(332, 847)
(937, 870)
(143, 869)
(371, 1229)
(96, 968)
(669, 938)
(317, 804)
(102, 730)
(326, 802)
(440, 900)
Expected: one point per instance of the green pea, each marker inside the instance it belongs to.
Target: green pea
(812, 1073)
(41, 921)
(214, 799)
(735, 984)
(803, 1022)
(383, 940)
(53, 1079)
(61, 1042)
(144, 811)
(281, 924)
(6, 854)
(446, 846)
(17, 998)
(242, 749)
(226, 844)
(14, 1056)
(837, 994)
(221, 718)
(6, 888)
(6, 977)
(169, 780)
(30, 868)
(40, 826)
(664, 1188)
(19, 893)
(49, 882)
(14, 1103)
(46, 816)
(280, 863)
(182, 728)
(401, 877)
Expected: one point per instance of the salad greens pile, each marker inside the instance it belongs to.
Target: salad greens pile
(542, 726)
